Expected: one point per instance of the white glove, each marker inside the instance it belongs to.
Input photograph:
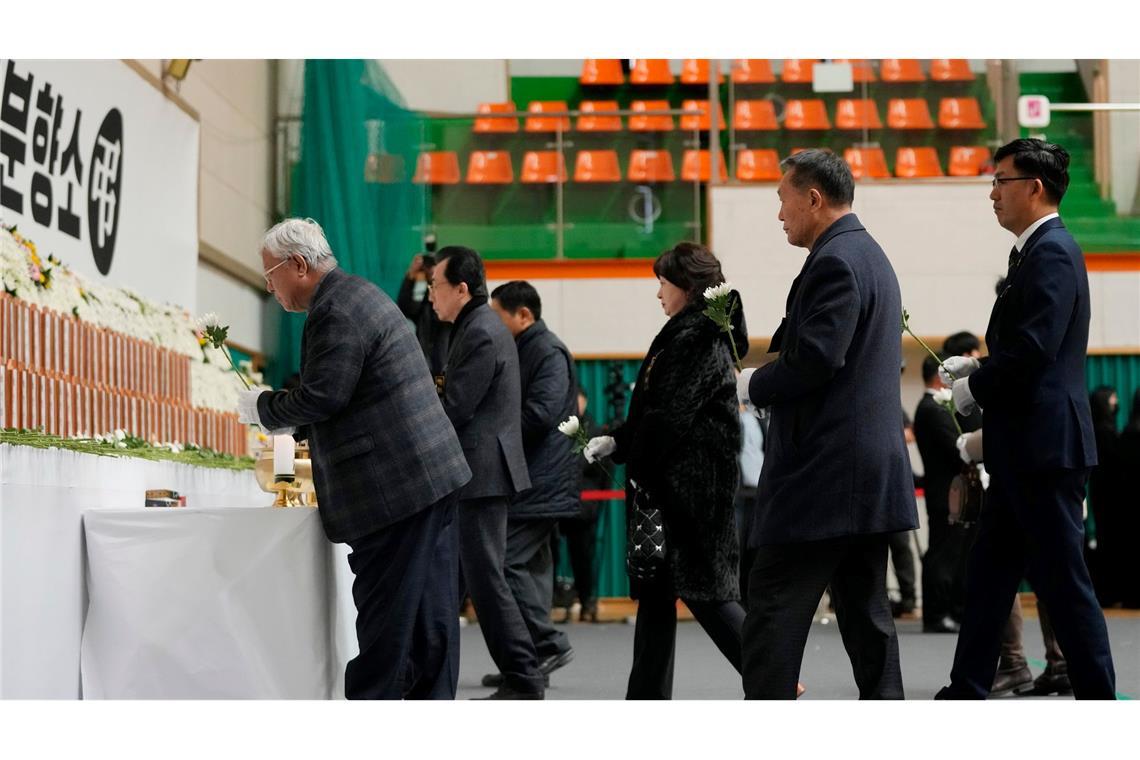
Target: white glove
(959, 367)
(599, 447)
(970, 446)
(963, 399)
(247, 407)
(742, 381)
(985, 477)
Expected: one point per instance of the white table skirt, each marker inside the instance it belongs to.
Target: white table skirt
(43, 594)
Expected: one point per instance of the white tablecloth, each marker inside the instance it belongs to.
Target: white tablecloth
(43, 595)
(215, 603)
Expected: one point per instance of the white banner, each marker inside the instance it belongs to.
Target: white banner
(101, 170)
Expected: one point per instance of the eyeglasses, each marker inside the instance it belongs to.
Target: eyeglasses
(269, 271)
(998, 180)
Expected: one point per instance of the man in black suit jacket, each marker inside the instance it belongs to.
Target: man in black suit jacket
(387, 464)
(482, 398)
(1038, 434)
(937, 437)
(836, 479)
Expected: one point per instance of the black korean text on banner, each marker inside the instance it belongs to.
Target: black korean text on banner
(47, 181)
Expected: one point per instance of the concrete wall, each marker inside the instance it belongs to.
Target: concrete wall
(235, 102)
(1124, 87)
(448, 86)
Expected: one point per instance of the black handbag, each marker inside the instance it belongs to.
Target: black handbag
(645, 553)
(966, 494)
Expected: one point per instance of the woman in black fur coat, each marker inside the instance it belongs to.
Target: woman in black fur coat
(680, 443)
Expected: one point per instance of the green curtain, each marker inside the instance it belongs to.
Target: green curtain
(352, 110)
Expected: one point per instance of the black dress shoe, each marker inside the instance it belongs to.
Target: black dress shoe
(506, 692)
(1048, 683)
(1008, 680)
(945, 624)
(496, 680)
(902, 609)
(548, 665)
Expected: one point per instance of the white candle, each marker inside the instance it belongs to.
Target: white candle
(284, 448)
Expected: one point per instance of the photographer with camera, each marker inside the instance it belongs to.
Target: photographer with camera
(413, 301)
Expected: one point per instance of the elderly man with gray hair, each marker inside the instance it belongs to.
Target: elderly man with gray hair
(386, 460)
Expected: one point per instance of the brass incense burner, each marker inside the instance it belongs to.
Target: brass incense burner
(296, 490)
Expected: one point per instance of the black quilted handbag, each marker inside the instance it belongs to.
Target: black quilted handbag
(645, 554)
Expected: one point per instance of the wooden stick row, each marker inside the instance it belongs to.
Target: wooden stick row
(42, 339)
(67, 407)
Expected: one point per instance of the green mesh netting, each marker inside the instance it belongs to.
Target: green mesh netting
(358, 148)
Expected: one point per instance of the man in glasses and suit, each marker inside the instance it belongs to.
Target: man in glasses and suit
(1038, 431)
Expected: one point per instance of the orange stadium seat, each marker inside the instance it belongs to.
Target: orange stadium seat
(650, 166)
(960, 113)
(547, 123)
(597, 166)
(752, 71)
(541, 166)
(587, 122)
(490, 167)
(437, 167)
(500, 124)
(909, 113)
(758, 166)
(917, 162)
(898, 70)
(857, 114)
(805, 114)
(696, 71)
(702, 121)
(650, 71)
(754, 115)
(967, 161)
(951, 70)
(797, 70)
(695, 166)
(861, 70)
(663, 123)
(867, 162)
(601, 71)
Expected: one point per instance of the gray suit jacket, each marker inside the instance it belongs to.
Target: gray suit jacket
(382, 447)
(482, 399)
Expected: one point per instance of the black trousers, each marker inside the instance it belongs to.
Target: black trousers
(407, 616)
(943, 568)
(1031, 526)
(655, 638)
(482, 555)
(902, 558)
(581, 543)
(785, 587)
(530, 575)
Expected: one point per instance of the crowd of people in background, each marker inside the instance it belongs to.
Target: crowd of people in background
(750, 492)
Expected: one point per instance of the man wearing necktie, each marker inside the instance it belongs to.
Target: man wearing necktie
(1038, 432)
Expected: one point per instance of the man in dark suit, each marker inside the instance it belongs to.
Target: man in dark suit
(836, 479)
(549, 396)
(482, 398)
(387, 464)
(1038, 434)
(936, 437)
(416, 306)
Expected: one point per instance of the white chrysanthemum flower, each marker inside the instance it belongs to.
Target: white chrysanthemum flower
(717, 291)
(120, 435)
(569, 427)
(943, 396)
(208, 320)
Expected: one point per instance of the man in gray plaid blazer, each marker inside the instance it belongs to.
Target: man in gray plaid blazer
(387, 464)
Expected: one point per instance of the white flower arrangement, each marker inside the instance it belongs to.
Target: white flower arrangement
(124, 311)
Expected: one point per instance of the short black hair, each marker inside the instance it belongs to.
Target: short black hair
(930, 367)
(1047, 162)
(516, 294)
(961, 343)
(825, 171)
(466, 266)
(689, 266)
